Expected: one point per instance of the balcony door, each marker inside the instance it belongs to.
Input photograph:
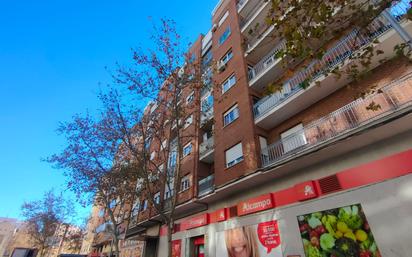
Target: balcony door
(293, 138)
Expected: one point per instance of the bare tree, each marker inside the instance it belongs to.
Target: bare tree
(93, 162)
(166, 75)
(43, 218)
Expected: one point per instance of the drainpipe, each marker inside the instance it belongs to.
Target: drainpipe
(398, 28)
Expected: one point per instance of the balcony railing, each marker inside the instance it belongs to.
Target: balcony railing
(205, 116)
(267, 61)
(206, 146)
(391, 98)
(206, 185)
(335, 56)
(252, 13)
(240, 4)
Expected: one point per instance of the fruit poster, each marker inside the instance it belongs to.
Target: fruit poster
(339, 232)
(261, 240)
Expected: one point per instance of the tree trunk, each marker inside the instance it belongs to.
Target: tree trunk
(116, 246)
(169, 237)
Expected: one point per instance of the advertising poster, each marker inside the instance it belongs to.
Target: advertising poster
(260, 240)
(176, 248)
(339, 232)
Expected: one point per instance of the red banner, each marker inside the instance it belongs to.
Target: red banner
(257, 204)
(218, 215)
(194, 222)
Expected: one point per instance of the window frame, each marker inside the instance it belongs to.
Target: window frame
(228, 81)
(230, 110)
(185, 147)
(225, 35)
(226, 57)
(234, 161)
(185, 183)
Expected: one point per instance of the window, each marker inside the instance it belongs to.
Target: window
(153, 107)
(101, 213)
(147, 143)
(293, 138)
(169, 188)
(228, 83)
(144, 205)
(231, 115)
(112, 204)
(187, 149)
(161, 167)
(224, 36)
(188, 121)
(156, 198)
(136, 208)
(185, 183)
(207, 102)
(190, 98)
(223, 19)
(152, 155)
(226, 57)
(164, 144)
(234, 155)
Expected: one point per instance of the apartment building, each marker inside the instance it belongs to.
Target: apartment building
(276, 172)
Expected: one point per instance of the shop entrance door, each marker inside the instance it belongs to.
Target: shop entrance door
(199, 246)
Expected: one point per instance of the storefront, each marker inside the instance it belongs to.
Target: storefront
(362, 211)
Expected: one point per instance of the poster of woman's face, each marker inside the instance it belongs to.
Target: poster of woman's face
(260, 240)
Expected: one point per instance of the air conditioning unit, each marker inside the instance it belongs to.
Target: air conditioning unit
(221, 66)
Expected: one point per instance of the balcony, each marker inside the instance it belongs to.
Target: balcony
(206, 150)
(267, 68)
(206, 185)
(392, 99)
(206, 116)
(275, 108)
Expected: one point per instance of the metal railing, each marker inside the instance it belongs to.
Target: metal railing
(266, 62)
(206, 146)
(206, 185)
(335, 56)
(252, 13)
(393, 97)
(240, 4)
(205, 116)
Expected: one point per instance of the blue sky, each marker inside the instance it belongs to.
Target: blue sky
(52, 57)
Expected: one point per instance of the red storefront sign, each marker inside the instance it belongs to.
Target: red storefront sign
(305, 190)
(268, 234)
(194, 222)
(218, 215)
(176, 248)
(257, 204)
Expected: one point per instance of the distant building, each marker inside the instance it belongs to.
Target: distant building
(8, 228)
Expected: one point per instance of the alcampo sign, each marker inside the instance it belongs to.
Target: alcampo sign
(256, 204)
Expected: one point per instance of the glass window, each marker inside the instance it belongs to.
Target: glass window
(230, 82)
(224, 36)
(224, 17)
(190, 98)
(157, 198)
(231, 115)
(188, 121)
(187, 149)
(169, 188)
(234, 155)
(144, 205)
(152, 155)
(226, 57)
(185, 183)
